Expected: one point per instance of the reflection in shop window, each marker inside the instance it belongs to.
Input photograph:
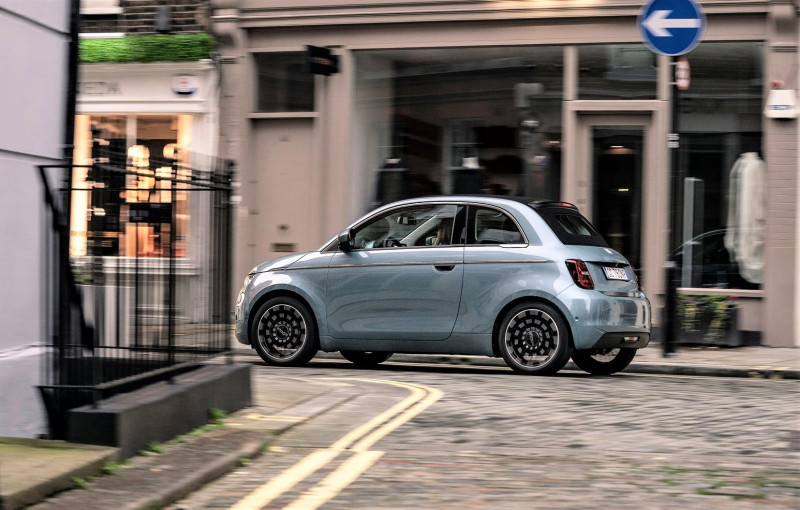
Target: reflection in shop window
(722, 204)
(616, 71)
(284, 83)
(131, 195)
(460, 120)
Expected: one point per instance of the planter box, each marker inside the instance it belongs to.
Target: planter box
(704, 321)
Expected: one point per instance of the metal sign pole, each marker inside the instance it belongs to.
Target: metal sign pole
(670, 318)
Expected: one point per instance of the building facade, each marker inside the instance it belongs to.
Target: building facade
(139, 113)
(33, 95)
(550, 99)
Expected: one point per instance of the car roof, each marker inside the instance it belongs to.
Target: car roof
(488, 199)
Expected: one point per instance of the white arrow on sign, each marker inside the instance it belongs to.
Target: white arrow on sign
(658, 23)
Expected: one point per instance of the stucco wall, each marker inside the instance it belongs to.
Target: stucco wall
(32, 95)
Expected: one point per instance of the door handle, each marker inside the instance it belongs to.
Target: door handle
(446, 267)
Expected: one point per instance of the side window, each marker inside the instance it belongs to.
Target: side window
(418, 225)
(491, 226)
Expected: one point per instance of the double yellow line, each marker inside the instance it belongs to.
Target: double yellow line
(358, 441)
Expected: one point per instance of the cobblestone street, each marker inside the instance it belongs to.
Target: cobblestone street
(495, 440)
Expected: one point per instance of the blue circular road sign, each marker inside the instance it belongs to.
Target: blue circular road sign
(671, 27)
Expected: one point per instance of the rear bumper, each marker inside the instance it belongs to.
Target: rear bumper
(601, 321)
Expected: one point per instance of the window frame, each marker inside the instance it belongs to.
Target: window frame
(471, 225)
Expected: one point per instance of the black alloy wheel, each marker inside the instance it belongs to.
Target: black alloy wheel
(534, 339)
(604, 361)
(365, 359)
(284, 332)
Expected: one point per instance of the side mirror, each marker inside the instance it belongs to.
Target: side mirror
(346, 239)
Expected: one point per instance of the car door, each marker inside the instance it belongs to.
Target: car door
(500, 262)
(402, 279)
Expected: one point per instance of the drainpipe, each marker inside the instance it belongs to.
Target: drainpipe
(72, 81)
(72, 92)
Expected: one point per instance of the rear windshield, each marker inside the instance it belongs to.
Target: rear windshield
(570, 227)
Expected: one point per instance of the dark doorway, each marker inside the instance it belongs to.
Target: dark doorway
(617, 179)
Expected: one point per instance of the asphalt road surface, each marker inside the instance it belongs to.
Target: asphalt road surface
(457, 437)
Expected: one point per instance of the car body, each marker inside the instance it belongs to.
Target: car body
(532, 282)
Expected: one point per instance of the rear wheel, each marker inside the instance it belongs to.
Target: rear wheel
(365, 359)
(284, 332)
(604, 361)
(534, 339)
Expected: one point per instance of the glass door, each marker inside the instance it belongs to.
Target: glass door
(617, 156)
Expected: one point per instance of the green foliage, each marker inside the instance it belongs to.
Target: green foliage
(216, 415)
(80, 483)
(152, 448)
(691, 308)
(111, 468)
(147, 48)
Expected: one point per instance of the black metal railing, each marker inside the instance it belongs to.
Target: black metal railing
(137, 264)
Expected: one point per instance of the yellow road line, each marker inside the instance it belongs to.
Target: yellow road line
(335, 482)
(421, 398)
(416, 395)
(286, 480)
(433, 395)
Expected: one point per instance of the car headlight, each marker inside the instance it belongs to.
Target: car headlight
(248, 278)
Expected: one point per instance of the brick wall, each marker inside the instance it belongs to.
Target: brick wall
(139, 17)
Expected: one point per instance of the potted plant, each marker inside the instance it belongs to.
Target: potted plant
(708, 320)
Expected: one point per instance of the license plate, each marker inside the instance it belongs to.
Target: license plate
(616, 273)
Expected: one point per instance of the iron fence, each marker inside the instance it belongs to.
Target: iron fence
(136, 274)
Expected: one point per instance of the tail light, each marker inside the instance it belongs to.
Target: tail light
(580, 273)
(637, 278)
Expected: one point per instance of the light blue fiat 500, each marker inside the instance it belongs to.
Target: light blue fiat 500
(532, 282)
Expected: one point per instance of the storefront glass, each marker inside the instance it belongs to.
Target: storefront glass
(723, 173)
(126, 155)
(283, 83)
(460, 120)
(616, 71)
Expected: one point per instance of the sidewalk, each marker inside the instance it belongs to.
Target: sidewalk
(30, 470)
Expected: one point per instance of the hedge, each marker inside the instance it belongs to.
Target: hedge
(147, 48)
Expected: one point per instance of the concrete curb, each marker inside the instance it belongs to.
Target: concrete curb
(159, 480)
(92, 460)
(196, 479)
(666, 368)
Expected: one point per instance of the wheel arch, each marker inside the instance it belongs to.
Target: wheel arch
(280, 293)
(527, 299)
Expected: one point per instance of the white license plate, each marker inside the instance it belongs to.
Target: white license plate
(616, 273)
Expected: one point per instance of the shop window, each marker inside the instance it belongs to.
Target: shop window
(616, 71)
(721, 211)
(125, 201)
(459, 120)
(283, 83)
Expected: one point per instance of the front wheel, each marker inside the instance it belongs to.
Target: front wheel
(365, 359)
(534, 339)
(284, 332)
(604, 361)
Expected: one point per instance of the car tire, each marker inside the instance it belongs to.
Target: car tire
(534, 339)
(365, 359)
(604, 361)
(284, 332)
